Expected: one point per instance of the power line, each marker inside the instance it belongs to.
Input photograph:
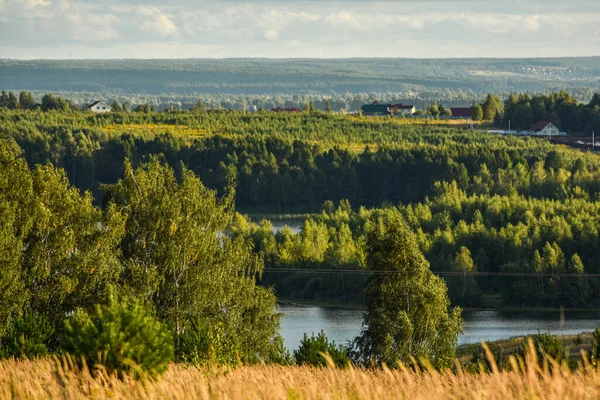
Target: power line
(440, 273)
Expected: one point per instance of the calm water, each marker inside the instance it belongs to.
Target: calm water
(342, 325)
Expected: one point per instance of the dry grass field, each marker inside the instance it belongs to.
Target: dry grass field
(47, 379)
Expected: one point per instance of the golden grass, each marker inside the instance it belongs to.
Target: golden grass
(44, 379)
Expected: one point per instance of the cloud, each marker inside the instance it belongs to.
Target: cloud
(269, 28)
(159, 23)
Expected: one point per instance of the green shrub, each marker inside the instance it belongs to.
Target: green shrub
(479, 359)
(548, 346)
(311, 351)
(27, 337)
(122, 336)
(203, 343)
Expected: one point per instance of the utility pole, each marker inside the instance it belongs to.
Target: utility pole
(593, 141)
(509, 127)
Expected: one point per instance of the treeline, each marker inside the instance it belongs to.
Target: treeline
(493, 251)
(287, 162)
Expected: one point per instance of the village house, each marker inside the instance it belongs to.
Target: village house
(403, 109)
(462, 112)
(544, 128)
(378, 108)
(99, 107)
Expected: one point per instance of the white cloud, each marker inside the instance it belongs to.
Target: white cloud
(269, 28)
(159, 23)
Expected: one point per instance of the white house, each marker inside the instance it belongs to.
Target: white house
(544, 128)
(99, 107)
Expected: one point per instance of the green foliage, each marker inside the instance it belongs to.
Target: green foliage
(313, 348)
(548, 346)
(407, 306)
(596, 344)
(27, 336)
(123, 337)
(476, 112)
(176, 252)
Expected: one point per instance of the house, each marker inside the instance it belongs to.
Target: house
(99, 107)
(402, 109)
(376, 109)
(462, 112)
(544, 128)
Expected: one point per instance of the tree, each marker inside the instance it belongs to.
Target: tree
(27, 101)
(407, 306)
(177, 255)
(199, 107)
(328, 105)
(433, 109)
(476, 112)
(116, 107)
(119, 334)
(492, 106)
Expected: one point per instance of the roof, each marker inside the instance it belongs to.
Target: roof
(540, 126)
(376, 107)
(401, 106)
(462, 112)
(95, 103)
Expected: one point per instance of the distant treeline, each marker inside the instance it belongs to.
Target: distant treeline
(299, 76)
(520, 111)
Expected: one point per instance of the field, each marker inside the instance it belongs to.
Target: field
(43, 379)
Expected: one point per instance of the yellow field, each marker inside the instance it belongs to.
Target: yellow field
(46, 379)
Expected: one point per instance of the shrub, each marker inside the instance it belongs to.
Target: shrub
(202, 343)
(596, 348)
(548, 346)
(122, 337)
(27, 337)
(311, 351)
(479, 359)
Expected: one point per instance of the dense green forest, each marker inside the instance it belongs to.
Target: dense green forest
(507, 221)
(349, 83)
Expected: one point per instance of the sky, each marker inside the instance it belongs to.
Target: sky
(60, 29)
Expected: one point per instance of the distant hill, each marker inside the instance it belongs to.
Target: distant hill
(291, 76)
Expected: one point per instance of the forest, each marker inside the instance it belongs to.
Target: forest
(507, 221)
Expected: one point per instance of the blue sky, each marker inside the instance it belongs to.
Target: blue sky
(309, 28)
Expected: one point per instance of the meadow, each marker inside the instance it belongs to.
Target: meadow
(50, 379)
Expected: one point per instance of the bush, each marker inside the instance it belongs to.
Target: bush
(203, 343)
(596, 346)
(122, 337)
(27, 337)
(548, 346)
(311, 351)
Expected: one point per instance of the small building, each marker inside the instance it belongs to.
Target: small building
(99, 107)
(403, 109)
(376, 109)
(462, 112)
(544, 128)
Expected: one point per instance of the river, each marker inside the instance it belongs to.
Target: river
(341, 325)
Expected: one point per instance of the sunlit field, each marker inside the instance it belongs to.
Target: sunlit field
(527, 380)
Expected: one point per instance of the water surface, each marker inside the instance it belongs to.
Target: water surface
(342, 325)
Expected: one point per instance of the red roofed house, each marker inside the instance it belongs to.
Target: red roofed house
(464, 112)
(544, 128)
